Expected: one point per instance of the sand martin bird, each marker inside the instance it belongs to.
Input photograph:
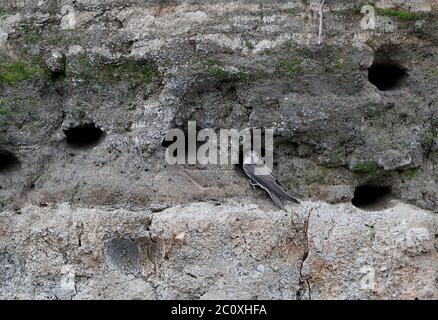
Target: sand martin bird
(260, 175)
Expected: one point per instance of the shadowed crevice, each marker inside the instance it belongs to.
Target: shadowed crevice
(372, 198)
(84, 136)
(8, 162)
(386, 75)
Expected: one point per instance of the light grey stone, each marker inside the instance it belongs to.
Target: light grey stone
(115, 221)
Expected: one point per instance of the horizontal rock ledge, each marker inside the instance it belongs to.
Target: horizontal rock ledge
(231, 250)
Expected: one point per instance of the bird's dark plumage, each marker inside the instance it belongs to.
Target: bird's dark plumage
(266, 180)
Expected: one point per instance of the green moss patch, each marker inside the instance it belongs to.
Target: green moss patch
(394, 13)
(17, 71)
(290, 66)
(3, 13)
(212, 67)
(412, 173)
(249, 45)
(368, 168)
(130, 72)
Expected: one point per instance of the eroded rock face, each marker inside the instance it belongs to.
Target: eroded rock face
(236, 250)
(133, 70)
(390, 253)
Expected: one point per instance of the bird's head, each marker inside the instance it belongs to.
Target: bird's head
(251, 157)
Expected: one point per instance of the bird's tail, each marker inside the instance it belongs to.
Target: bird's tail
(277, 201)
(286, 196)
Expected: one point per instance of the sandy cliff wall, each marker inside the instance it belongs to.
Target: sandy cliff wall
(88, 89)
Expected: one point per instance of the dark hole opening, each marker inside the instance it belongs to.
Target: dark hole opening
(167, 143)
(57, 75)
(84, 136)
(386, 75)
(8, 161)
(372, 198)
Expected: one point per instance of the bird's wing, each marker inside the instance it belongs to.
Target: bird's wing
(269, 183)
(283, 186)
(276, 199)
